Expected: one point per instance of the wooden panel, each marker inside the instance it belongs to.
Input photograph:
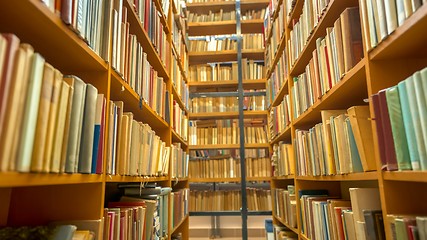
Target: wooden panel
(410, 176)
(49, 36)
(283, 136)
(5, 194)
(211, 28)
(179, 139)
(15, 179)
(41, 205)
(405, 198)
(365, 176)
(284, 90)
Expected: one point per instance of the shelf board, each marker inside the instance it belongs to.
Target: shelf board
(202, 180)
(331, 14)
(259, 213)
(304, 237)
(288, 177)
(258, 179)
(180, 179)
(284, 135)
(177, 138)
(117, 178)
(247, 84)
(295, 230)
(277, 55)
(217, 213)
(226, 115)
(178, 59)
(340, 96)
(224, 27)
(409, 176)
(16, 179)
(185, 218)
(121, 91)
(57, 43)
(178, 99)
(227, 146)
(295, 12)
(364, 176)
(406, 41)
(224, 56)
(137, 28)
(205, 7)
(282, 92)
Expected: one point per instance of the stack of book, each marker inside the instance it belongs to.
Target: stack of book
(400, 118)
(213, 44)
(283, 159)
(144, 208)
(277, 79)
(253, 41)
(133, 148)
(179, 158)
(91, 21)
(179, 205)
(325, 217)
(226, 132)
(335, 54)
(404, 226)
(48, 122)
(212, 16)
(280, 117)
(253, 14)
(333, 57)
(179, 121)
(285, 205)
(341, 143)
(381, 18)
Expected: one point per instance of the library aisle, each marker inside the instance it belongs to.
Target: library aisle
(202, 119)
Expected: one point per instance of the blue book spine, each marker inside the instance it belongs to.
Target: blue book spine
(97, 133)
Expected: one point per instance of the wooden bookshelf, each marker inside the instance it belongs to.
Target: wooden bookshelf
(247, 84)
(217, 180)
(177, 138)
(117, 178)
(179, 225)
(284, 135)
(279, 96)
(178, 99)
(224, 27)
(15, 179)
(258, 179)
(405, 176)
(227, 115)
(278, 178)
(295, 230)
(364, 176)
(277, 55)
(204, 7)
(224, 56)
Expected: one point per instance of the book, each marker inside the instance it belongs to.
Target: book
(364, 199)
(391, 15)
(423, 113)
(390, 151)
(351, 37)
(64, 232)
(372, 225)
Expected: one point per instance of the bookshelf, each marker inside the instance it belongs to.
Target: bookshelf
(62, 196)
(391, 61)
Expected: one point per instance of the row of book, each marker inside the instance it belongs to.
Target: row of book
(226, 153)
(229, 200)
(179, 159)
(179, 205)
(253, 14)
(283, 159)
(283, 233)
(226, 104)
(179, 121)
(133, 148)
(408, 226)
(341, 143)
(217, 16)
(179, 83)
(220, 44)
(125, 49)
(226, 72)
(277, 79)
(141, 213)
(179, 40)
(253, 41)
(48, 122)
(285, 205)
(276, 29)
(336, 53)
(400, 118)
(226, 132)
(229, 167)
(280, 117)
(89, 19)
(381, 18)
(329, 217)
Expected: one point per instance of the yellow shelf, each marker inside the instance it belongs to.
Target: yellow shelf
(117, 178)
(277, 56)
(295, 230)
(408, 176)
(180, 179)
(228, 146)
(333, 11)
(406, 40)
(213, 6)
(202, 180)
(303, 237)
(247, 84)
(224, 56)
(34, 23)
(288, 177)
(364, 176)
(224, 27)
(177, 138)
(279, 97)
(15, 179)
(286, 134)
(178, 99)
(227, 115)
(341, 96)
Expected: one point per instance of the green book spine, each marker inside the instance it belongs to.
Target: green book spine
(423, 109)
(334, 145)
(401, 233)
(409, 124)
(355, 157)
(396, 121)
(422, 119)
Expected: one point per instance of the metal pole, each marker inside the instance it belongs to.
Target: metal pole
(244, 210)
